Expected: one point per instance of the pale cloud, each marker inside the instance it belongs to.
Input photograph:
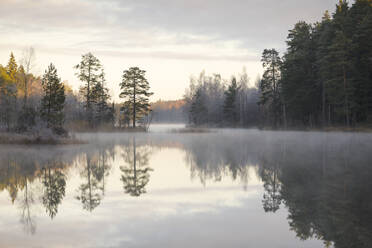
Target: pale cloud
(212, 34)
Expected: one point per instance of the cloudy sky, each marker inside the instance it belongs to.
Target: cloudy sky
(170, 39)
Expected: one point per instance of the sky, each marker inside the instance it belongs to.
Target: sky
(170, 39)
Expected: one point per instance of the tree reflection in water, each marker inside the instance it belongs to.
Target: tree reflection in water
(322, 180)
(92, 191)
(54, 182)
(136, 175)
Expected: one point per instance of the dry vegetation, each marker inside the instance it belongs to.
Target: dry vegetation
(192, 130)
(37, 139)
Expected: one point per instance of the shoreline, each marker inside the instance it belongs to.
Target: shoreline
(32, 139)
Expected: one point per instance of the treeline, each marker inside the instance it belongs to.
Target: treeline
(324, 79)
(30, 103)
(168, 111)
(213, 101)
(325, 76)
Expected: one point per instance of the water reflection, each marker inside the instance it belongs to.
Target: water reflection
(320, 181)
(136, 175)
(54, 182)
(96, 168)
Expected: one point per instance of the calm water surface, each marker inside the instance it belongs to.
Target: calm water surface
(230, 188)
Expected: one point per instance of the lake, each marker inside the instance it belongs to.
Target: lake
(225, 188)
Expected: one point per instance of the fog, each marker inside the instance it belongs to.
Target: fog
(287, 186)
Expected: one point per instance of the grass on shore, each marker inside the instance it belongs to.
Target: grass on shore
(83, 127)
(28, 139)
(191, 130)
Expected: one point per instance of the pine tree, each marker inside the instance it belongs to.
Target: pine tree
(299, 87)
(323, 36)
(361, 46)
(135, 90)
(326, 74)
(270, 84)
(340, 79)
(89, 71)
(53, 100)
(230, 108)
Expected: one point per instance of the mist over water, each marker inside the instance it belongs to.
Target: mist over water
(225, 188)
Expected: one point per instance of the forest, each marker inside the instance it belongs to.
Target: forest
(324, 79)
(42, 104)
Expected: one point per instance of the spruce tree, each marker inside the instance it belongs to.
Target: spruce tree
(198, 110)
(8, 97)
(323, 36)
(53, 100)
(12, 67)
(100, 96)
(230, 108)
(135, 89)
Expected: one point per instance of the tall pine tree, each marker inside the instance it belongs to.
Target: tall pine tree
(89, 71)
(299, 87)
(270, 86)
(135, 89)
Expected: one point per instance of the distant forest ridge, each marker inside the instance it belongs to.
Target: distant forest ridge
(171, 111)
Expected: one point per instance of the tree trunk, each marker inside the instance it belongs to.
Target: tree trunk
(346, 99)
(26, 91)
(134, 163)
(134, 105)
(88, 98)
(329, 115)
(284, 117)
(323, 105)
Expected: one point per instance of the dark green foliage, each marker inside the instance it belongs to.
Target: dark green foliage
(95, 93)
(198, 111)
(135, 89)
(103, 113)
(53, 101)
(299, 88)
(326, 74)
(89, 71)
(230, 108)
(270, 87)
(54, 182)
